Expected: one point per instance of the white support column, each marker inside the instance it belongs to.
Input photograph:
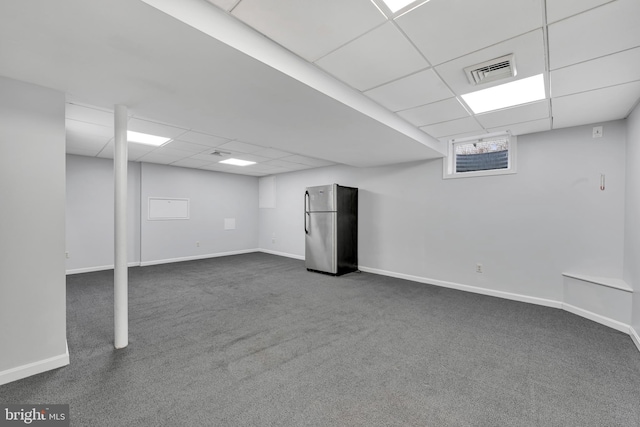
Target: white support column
(121, 279)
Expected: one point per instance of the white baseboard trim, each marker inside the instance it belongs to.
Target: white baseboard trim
(606, 321)
(284, 254)
(34, 368)
(197, 257)
(98, 268)
(467, 288)
(635, 337)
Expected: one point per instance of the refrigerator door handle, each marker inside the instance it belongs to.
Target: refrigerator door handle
(307, 215)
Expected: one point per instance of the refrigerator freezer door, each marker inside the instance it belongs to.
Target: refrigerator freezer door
(320, 242)
(322, 198)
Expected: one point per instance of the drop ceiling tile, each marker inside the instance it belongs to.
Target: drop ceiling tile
(444, 30)
(81, 149)
(453, 127)
(526, 127)
(421, 88)
(307, 161)
(210, 157)
(560, 9)
(186, 146)
(168, 151)
(217, 167)
(224, 4)
(271, 153)
(607, 29)
(289, 166)
(239, 146)
(83, 129)
(153, 128)
(375, 58)
(518, 114)
(310, 29)
(605, 71)
(191, 163)
(157, 158)
(529, 58)
(595, 106)
(89, 115)
(203, 139)
(441, 111)
(462, 135)
(134, 152)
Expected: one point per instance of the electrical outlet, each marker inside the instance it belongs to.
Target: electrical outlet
(273, 240)
(66, 254)
(198, 244)
(478, 268)
(597, 132)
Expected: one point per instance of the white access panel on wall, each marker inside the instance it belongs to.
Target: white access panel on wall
(162, 208)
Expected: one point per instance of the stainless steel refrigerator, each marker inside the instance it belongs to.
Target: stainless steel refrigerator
(331, 229)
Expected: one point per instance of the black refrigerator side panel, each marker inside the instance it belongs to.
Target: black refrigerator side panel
(347, 229)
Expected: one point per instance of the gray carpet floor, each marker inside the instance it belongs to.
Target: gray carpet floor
(256, 340)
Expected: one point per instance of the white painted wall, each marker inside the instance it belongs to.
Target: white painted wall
(213, 197)
(90, 213)
(32, 191)
(526, 229)
(632, 215)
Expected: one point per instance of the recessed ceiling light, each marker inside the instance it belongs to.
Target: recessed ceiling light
(143, 138)
(237, 162)
(507, 95)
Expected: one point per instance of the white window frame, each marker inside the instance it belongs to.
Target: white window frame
(449, 162)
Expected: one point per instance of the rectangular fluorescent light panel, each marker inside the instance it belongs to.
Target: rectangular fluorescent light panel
(507, 95)
(237, 162)
(143, 138)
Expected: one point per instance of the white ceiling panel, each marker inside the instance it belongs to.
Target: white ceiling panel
(610, 70)
(444, 30)
(522, 113)
(242, 147)
(287, 165)
(134, 152)
(307, 161)
(203, 139)
(453, 127)
(168, 151)
(153, 128)
(190, 163)
(560, 9)
(607, 29)
(250, 157)
(596, 106)
(417, 89)
(526, 127)
(187, 146)
(463, 135)
(157, 158)
(271, 153)
(81, 148)
(84, 129)
(529, 58)
(89, 115)
(224, 4)
(310, 29)
(377, 57)
(441, 111)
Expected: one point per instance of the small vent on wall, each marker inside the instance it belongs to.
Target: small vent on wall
(489, 71)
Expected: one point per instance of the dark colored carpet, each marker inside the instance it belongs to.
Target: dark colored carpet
(256, 340)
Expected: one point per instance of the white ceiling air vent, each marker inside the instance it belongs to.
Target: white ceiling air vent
(495, 69)
(219, 153)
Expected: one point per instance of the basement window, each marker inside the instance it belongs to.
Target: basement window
(491, 154)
